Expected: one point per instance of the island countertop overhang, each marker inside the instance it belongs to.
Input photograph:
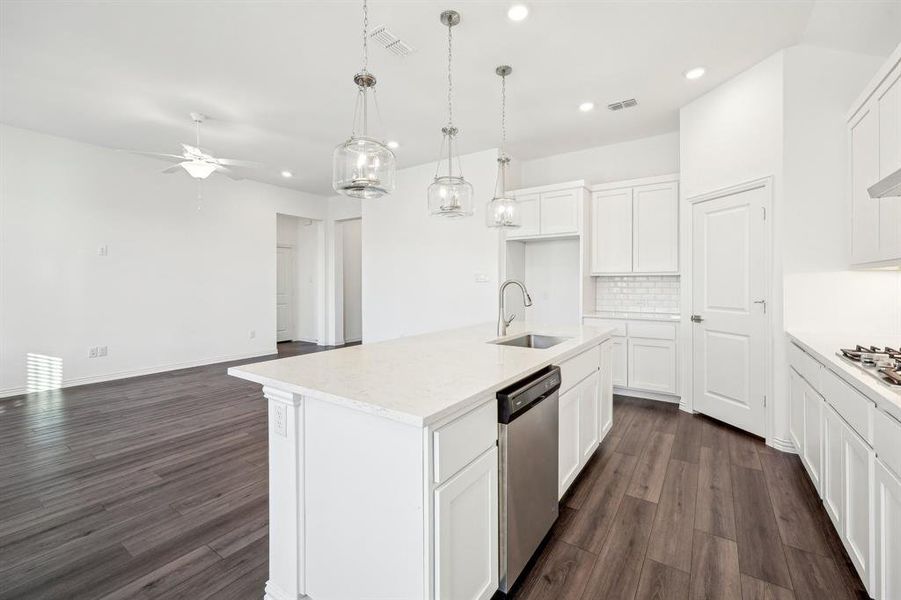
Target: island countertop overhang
(422, 379)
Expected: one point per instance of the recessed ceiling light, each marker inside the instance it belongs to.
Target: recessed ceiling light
(287, 174)
(518, 12)
(695, 73)
(393, 145)
(586, 106)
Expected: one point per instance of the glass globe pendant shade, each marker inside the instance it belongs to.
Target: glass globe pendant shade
(363, 167)
(503, 212)
(450, 196)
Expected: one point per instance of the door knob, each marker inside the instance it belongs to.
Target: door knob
(696, 318)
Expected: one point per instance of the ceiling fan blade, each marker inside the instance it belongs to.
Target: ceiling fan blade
(169, 157)
(233, 162)
(194, 151)
(173, 168)
(229, 173)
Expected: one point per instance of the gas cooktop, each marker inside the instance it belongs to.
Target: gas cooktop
(882, 363)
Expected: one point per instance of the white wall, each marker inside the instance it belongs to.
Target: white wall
(353, 279)
(645, 157)
(303, 235)
(184, 282)
(419, 271)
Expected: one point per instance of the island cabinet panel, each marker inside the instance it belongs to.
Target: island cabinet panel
(466, 532)
(589, 416)
(581, 418)
(459, 442)
(569, 454)
(606, 388)
(887, 506)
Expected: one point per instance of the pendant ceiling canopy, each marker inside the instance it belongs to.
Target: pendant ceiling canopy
(450, 195)
(363, 166)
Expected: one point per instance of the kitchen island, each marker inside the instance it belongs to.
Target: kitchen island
(383, 458)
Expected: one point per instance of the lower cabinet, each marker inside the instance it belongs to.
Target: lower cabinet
(857, 473)
(606, 391)
(813, 442)
(796, 408)
(652, 365)
(579, 428)
(887, 509)
(618, 350)
(466, 532)
(832, 483)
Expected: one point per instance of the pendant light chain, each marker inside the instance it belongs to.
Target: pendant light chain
(503, 115)
(365, 36)
(450, 80)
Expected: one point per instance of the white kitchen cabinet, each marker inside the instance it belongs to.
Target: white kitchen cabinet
(874, 139)
(530, 213)
(560, 212)
(887, 557)
(569, 447)
(611, 231)
(550, 211)
(618, 351)
(652, 364)
(796, 409)
(655, 228)
(832, 483)
(466, 532)
(589, 416)
(857, 475)
(812, 455)
(606, 391)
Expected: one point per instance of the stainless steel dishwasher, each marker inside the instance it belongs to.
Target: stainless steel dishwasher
(527, 440)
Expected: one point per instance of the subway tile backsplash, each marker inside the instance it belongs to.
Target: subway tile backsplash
(657, 294)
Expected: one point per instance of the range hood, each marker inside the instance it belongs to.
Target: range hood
(890, 185)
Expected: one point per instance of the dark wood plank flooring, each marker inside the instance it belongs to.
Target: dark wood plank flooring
(156, 487)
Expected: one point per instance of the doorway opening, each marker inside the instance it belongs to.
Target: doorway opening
(299, 279)
(352, 279)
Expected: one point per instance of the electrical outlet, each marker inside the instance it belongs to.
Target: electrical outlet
(92, 352)
(279, 420)
(103, 250)
(253, 333)
(101, 351)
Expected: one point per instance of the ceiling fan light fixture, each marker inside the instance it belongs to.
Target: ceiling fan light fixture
(198, 169)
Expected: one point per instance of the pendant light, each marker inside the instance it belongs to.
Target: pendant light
(450, 195)
(503, 211)
(363, 166)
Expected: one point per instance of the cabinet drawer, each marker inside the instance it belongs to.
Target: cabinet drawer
(619, 327)
(653, 331)
(458, 443)
(806, 366)
(579, 367)
(887, 441)
(853, 407)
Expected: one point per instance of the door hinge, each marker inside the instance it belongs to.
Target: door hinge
(763, 208)
(764, 401)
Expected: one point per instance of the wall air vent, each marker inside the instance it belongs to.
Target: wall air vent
(390, 42)
(623, 104)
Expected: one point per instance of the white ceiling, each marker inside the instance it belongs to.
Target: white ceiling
(275, 77)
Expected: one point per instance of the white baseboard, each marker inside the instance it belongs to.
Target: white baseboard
(647, 395)
(353, 340)
(76, 381)
(782, 445)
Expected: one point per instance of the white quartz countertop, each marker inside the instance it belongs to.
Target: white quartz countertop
(419, 379)
(824, 346)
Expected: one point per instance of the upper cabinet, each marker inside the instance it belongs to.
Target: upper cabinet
(550, 211)
(874, 138)
(635, 227)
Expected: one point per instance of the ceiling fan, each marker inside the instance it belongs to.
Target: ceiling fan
(199, 163)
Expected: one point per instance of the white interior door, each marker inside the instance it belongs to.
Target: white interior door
(353, 280)
(728, 290)
(284, 290)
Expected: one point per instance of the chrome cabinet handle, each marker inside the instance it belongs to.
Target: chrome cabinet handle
(696, 318)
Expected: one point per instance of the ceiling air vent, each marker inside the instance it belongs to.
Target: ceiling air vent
(623, 104)
(390, 42)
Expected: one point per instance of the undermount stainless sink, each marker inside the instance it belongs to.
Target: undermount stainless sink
(532, 340)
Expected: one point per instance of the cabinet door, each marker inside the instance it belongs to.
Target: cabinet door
(589, 416)
(864, 136)
(813, 436)
(655, 228)
(569, 447)
(530, 211)
(796, 410)
(620, 361)
(888, 99)
(611, 232)
(606, 392)
(857, 469)
(466, 526)
(832, 466)
(887, 506)
(560, 212)
(652, 365)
